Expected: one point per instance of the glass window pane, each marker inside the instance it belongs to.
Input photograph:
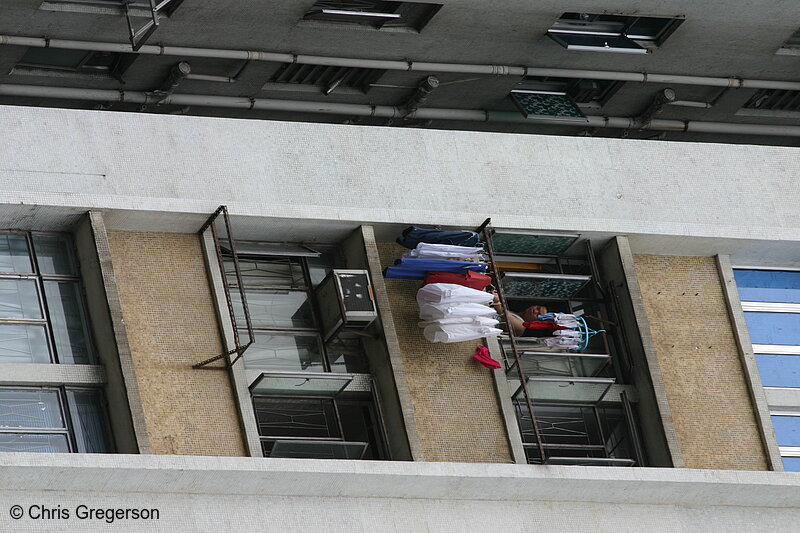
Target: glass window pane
(19, 298)
(347, 355)
(283, 352)
(314, 449)
(68, 322)
(274, 272)
(791, 464)
(768, 286)
(787, 430)
(88, 421)
(54, 254)
(530, 243)
(53, 57)
(30, 408)
(773, 328)
(26, 442)
(295, 418)
(779, 370)
(274, 309)
(14, 256)
(23, 344)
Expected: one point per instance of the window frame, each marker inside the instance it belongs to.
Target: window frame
(41, 279)
(564, 30)
(66, 415)
(308, 290)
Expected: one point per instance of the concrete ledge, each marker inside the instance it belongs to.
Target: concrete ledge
(380, 479)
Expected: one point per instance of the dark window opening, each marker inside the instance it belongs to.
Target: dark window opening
(612, 33)
(375, 13)
(340, 428)
(579, 91)
(775, 100)
(326, 77)
(78, 61)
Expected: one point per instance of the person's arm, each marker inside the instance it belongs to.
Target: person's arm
(514, 320)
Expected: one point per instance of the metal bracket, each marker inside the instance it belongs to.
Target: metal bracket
(140, 36)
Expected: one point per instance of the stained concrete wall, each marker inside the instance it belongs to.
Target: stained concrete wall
(171, 324)
(454, 400)
(202, 494)
(705, 383)
(158, 172)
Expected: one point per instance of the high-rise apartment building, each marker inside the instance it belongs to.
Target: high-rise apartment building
(198, 201)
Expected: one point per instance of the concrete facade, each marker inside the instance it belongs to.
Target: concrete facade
(172, 323)
(235, 494)
(705, 383)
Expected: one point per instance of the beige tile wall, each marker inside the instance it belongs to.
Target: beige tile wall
(454, 400)
(171, 323)
(697, 352)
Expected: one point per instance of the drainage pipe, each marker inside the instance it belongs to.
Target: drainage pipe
(365, 110)
(409, 65)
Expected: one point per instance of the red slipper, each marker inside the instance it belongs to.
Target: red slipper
(483, 356)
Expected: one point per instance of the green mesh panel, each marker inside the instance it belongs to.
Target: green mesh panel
(515, 243)
(542, 288)
(546, 105)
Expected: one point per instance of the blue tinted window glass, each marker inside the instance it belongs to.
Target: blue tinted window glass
(768, 286)
(787, 430)
(779, 370)
(791, 464)
(774, 328)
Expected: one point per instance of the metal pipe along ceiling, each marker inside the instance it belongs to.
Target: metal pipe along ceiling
(364, 110)
(409, 65)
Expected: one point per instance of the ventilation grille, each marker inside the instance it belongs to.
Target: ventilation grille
(325, 76)
(774, 99)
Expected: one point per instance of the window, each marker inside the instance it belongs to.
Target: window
(280, 297)
(42, 312)
(52, 419)
(580, 91)
(774, 100)
(73, 61)
(771, 304)
(374, 13)
(327, 79)
(320, 428)
(138, 8)
(791, 46)
(612, 33)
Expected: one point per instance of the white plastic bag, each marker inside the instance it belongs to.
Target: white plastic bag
(445, 310)
(444, 251)
(451, 293)
(459, 332)
(475, 321)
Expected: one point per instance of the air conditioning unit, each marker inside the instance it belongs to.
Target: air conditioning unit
(345, 301)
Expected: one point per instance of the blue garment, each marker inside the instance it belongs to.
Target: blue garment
(413, 235)
(439, 265)
(402, 273)
(414, 268)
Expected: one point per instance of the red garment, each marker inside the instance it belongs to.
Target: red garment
(483, 356)
(542, 325)
(473, 280)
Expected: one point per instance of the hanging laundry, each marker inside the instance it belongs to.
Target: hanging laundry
(483, 356)
(437, 311)
(544, 325)
(458, 332)
(567, 343)
(568, 333)
(445, 251)
(413, 268)
(476, 320)
(471, 279)
(414, 235)
(452, 293)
